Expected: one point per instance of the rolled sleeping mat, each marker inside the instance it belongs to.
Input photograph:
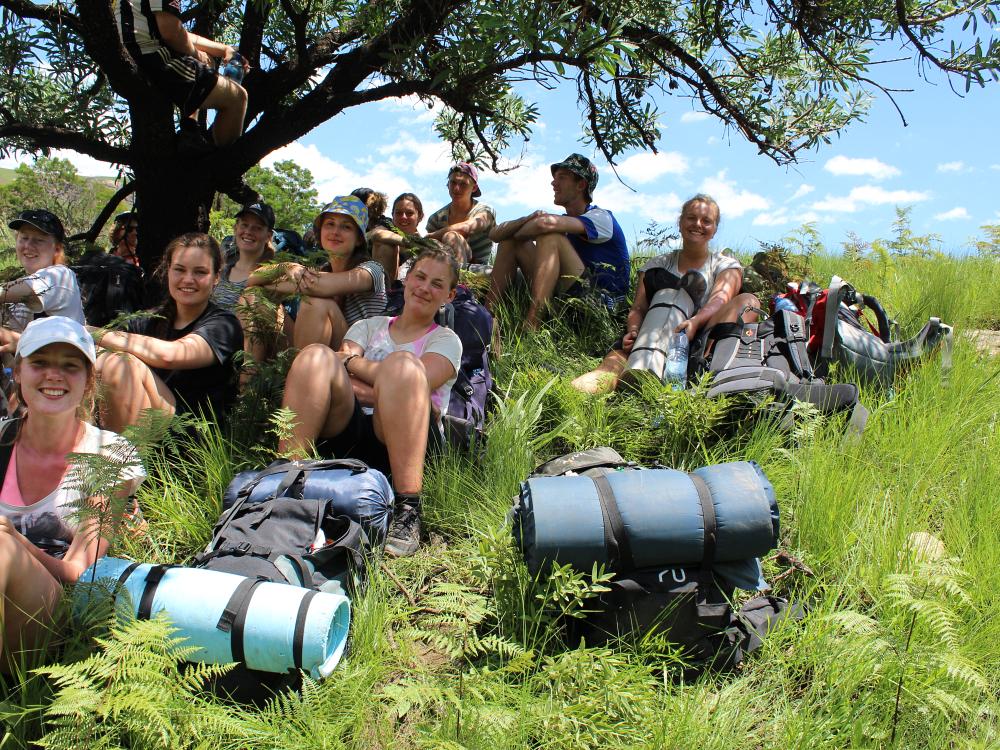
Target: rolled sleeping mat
(272, 627)
(648, 518)
(352, 488)
(667, 310)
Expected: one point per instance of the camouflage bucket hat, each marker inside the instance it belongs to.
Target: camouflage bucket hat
(348, 205)
(582, 167)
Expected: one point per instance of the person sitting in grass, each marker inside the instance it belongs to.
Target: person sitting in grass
(381, 397)
(45, 541)
(182, 358)
(49, 287)
(350, 289)
(464, 224)
(581, 251)
(390, 246)
(720, 302)
(125, 237)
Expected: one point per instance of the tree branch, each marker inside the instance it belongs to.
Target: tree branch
(102, 218)
(50, 14)
(51, 136)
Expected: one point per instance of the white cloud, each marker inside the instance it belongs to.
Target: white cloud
(643, 167)
(995, 166)
(733, 203)
(85, 165)
(782, 218)
(712, 140)
(958, 212)
(951, 166)
(694, 116)
(525, 189)
(845, 165)
(859, 197)
(802, 191)
(419, 111)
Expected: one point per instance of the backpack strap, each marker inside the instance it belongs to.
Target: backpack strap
(705, 574)
(833, 295)
(616, 540)
(8, 429)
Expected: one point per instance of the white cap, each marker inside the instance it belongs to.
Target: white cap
(56, 329)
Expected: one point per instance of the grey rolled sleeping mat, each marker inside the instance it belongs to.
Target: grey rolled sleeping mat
(667, 310)
(645, 518)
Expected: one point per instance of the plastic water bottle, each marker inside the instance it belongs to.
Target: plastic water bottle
(234, 68)
(676, 369)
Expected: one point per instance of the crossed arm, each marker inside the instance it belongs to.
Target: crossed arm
(363, 372)
(187, 353)
(298, 279)
(536, 224)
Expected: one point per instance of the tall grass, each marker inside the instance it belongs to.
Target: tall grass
(459, 647)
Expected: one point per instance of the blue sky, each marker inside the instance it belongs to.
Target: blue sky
(945, 164)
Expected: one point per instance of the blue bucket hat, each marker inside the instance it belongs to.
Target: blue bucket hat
(348, 205)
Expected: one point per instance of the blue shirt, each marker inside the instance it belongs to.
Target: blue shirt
(603, 250)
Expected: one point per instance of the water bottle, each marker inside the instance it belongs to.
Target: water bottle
(783, 303)
(234, 68)
(676, 370)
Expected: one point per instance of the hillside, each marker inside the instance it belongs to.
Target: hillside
(458, 648)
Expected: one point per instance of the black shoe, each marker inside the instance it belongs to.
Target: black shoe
(193, 140)
(403, 538)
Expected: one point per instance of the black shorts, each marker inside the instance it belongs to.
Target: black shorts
(185, 79)
(358, 440)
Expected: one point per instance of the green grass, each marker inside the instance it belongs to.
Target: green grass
(897, 650)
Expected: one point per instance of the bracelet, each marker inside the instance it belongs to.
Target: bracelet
(347, 362)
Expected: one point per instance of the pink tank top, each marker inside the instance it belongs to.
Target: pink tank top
(10, 493)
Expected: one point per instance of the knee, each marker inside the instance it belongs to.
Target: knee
(115, 367)
(402, 370)
(10, 545)
(318, 359)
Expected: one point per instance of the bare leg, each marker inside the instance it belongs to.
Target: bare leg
(553, 264)
(504, 267)
(28, 596)
(320, 321)
(262, 326)
(318, 390)
(402, 415)
(129, 387)
(458, 246)
(229, 100)
(388, 257)
(605, 377)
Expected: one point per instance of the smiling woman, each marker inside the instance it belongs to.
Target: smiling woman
(182, 358)
(43, 541)
(49, 288)
(381, 397)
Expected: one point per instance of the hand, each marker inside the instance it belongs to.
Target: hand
(203, 57)
(628, 340)
(307, 280)
(689, 326)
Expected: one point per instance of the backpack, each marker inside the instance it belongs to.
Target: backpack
(839, 333)
(688, 605)
(109, 287)
(469, 402)
(771, 358)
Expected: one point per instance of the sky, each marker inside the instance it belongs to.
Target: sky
(944, 164)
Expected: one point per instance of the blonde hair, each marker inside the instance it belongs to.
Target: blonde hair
(85, 410)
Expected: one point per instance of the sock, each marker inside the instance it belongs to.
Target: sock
(408, 498)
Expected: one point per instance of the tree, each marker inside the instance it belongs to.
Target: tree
(288, 188)
(787, 74)
(54, 184)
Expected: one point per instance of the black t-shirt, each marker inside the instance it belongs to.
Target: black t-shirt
(214, 385)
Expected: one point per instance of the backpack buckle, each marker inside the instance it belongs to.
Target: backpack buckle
(243, 548)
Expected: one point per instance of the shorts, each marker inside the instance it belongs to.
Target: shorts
(583, 288)
(185, 79)
(358, 440)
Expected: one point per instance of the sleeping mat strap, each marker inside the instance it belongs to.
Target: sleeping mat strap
(300, 627)
(615, 538)
(153, 578)
(234, 616)
(711, 529)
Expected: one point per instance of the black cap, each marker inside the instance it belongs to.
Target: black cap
(260, 209)
(42, 220)
(126, 216)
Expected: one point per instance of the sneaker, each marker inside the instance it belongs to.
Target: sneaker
(193, 140)
(403, 538)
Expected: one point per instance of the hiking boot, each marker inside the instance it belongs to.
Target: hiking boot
(403, 537)
(193, 140)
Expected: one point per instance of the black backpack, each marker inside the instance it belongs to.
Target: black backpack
(109, 287)
(690, 606)
(770, 357)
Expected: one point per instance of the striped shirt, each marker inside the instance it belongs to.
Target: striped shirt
(137, 24)
(366, 304)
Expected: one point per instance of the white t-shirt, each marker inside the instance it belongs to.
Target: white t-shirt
(372, 335)
(715, 264)
(49, 523)
(58, 293)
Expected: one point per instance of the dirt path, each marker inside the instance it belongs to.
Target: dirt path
(987, 341)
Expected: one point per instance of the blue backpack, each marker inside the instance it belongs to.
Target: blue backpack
(473, 324)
